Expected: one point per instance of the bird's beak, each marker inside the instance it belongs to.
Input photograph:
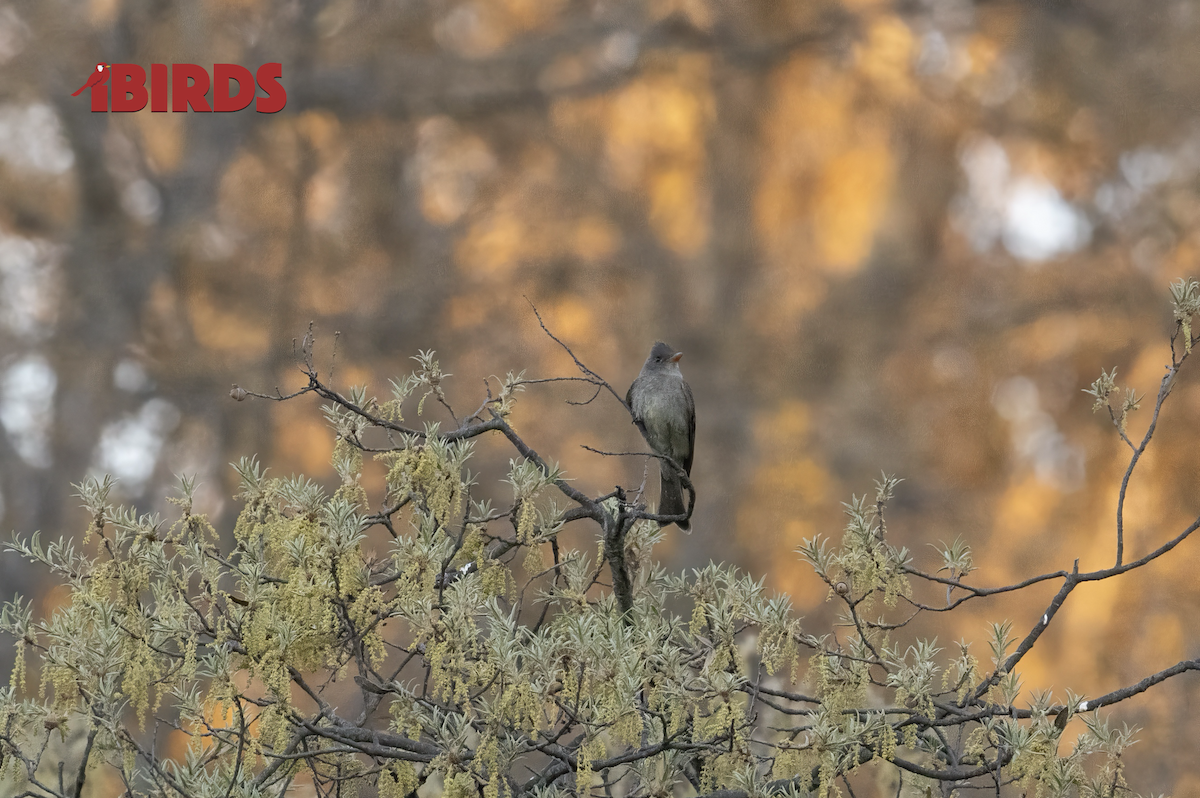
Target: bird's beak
(675, 357)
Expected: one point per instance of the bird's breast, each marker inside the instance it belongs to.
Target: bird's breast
(661, 404)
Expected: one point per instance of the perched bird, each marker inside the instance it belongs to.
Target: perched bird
(96, 78)
(663, 409)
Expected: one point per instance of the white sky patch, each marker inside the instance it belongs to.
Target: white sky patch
(129, 375)
(129, 448)
(30, 285)
(934, 58)
(464, 30)
(195, 450)
(31, 138)
(1000, 83)
(1026, 214)
(1144, 169)
(449, 164)
(1140, 171)
(1036, 439)
(141, 200)
(27, 408)
(216, 242)
(1114, 199)
(620, 49)
(14, 33)
(1039, 224)
(979, 213)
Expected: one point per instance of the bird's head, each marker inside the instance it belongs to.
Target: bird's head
(663, 356)
(102, 66)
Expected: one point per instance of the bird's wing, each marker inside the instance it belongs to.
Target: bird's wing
(691, 412)
(629, 403)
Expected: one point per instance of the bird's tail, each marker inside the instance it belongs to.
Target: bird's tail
(670, 497)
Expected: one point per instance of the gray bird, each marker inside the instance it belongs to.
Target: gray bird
(662, 407)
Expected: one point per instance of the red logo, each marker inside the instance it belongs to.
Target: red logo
(186, 85)
(97, 78)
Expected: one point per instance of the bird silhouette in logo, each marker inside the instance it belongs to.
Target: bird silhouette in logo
(96, 78)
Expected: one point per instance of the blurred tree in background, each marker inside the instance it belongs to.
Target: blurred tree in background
(886, 235)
